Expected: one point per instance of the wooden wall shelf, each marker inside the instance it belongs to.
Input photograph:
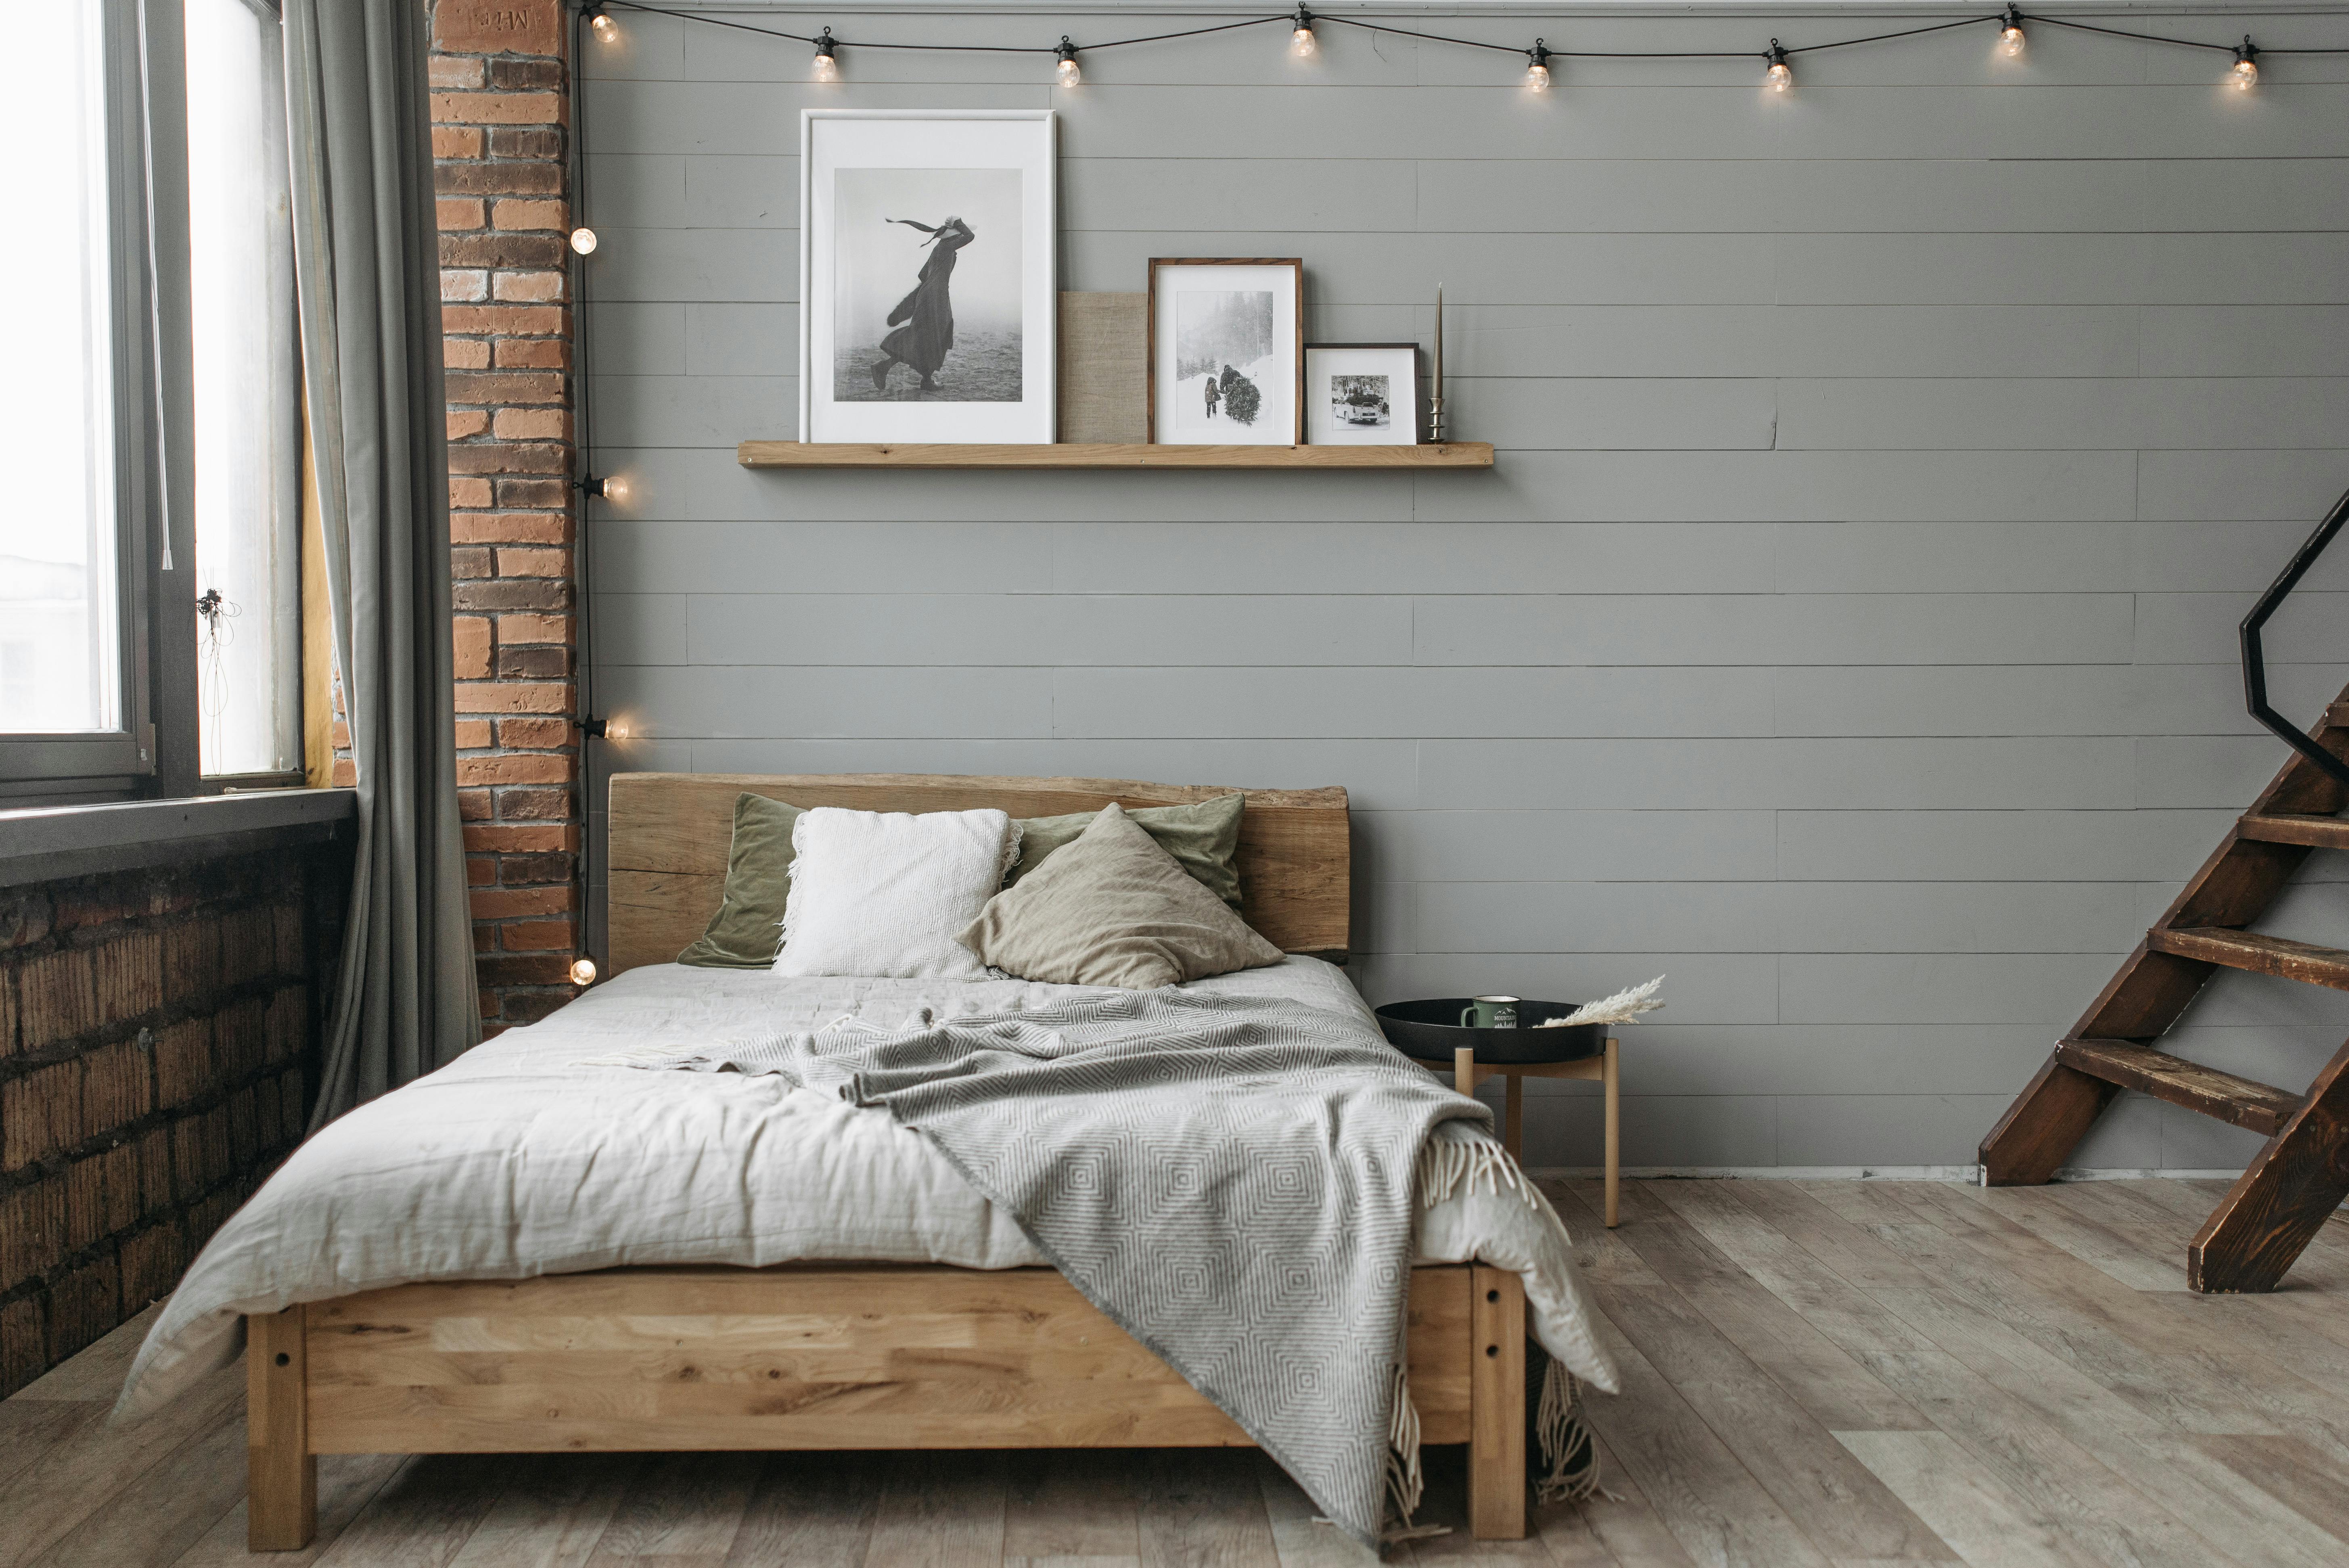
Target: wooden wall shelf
(1088, 455)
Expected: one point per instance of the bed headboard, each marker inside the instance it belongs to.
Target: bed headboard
(670, 832)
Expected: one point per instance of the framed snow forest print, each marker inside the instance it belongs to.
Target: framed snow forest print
(1227, 346)
(926, 276)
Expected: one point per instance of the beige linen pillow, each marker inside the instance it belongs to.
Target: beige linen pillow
(1203, 836)
(1114, 908)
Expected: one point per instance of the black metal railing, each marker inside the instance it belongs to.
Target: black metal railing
(2255, 663)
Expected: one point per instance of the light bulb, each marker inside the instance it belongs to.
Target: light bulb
(602, 26)
(583, 971)
(2247, 66)
(1537, 68)
(1780, 75)
(1301, 41)
(2010, 34)
(616, 489)
(583, 240)
(827, 62)
(1066, 72)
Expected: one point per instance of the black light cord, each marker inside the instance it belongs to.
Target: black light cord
(588, 723)
(1377, 27)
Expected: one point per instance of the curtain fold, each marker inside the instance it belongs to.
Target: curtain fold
(367, 264)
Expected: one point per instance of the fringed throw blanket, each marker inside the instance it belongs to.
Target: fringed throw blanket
(1229, 1178)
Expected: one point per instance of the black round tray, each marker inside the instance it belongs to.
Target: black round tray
(1430, 1030)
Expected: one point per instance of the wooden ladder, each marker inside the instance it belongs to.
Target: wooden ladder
(2302, 1174)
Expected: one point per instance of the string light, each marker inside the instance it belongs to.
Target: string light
(583, 240)
(2247, 66)
(1780, 75)
(1066, 72)
(2010, 34)
(1537, 68)
(827, 61)
(611, 488)
(583, 971)
(1301, 41)
(602, 24)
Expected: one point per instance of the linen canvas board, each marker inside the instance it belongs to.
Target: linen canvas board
(927, 305)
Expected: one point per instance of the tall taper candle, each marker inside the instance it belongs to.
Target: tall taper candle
(1435, 398)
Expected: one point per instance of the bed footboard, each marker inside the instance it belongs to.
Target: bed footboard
(801, 1357)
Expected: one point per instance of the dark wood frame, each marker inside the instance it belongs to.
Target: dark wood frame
(1418, 426)
(1150, 329)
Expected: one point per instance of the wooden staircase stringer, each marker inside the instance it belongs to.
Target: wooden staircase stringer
(2112, 1045)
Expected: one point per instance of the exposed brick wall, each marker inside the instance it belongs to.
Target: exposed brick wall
(157, 1039)
(500, 131)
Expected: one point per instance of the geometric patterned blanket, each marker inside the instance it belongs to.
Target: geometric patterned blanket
(1229, 1178)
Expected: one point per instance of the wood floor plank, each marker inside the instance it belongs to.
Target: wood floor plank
(1201, 1506)
(1297, 1540)
(680, 1509)
(347, 1484)
(165, 1509)
(50, 1497)
(422, 1516)
(2050, 1216)
(940, 1510)
(30, 1428)
(1714, 1506)
(1072, 1502)
(1986, 1524)
(553, 1510)
(1832, 1499)
(1621, 1518)
(1837, 1390)
(96, 1371)
(812, 1511)
(1445, 1502)
(2313, 1485)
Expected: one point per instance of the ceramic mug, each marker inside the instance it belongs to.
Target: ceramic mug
(1490, 1013)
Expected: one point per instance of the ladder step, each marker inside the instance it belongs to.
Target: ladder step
(2248, 950)
(2205, 1090)
(2283, 828)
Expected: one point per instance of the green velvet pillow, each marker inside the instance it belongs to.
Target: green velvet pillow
(748, 928)
(1202, 837)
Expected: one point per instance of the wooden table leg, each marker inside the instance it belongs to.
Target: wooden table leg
(1513, 1119)
(1614, 1134)
(1463, 1071)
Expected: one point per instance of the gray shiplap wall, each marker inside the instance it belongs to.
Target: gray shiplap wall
(1845, 629)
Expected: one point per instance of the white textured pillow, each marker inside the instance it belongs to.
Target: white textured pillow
(885, 892)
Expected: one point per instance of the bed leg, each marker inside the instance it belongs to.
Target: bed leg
(1496, 1407)
(281, 1473)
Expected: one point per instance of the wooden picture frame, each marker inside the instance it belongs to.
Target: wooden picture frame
(1283, 426)
(1399, 425)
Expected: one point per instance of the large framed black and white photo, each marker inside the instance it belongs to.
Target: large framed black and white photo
(1227, 352)
(927, 278)
(1361, 394)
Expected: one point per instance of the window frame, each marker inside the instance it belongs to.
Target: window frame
(155, 752)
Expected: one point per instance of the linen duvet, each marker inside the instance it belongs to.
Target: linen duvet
(539, 1153)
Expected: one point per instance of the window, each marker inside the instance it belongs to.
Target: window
(248, 431)
(149, 602)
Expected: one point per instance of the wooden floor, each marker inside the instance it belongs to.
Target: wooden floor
(1815, 1373)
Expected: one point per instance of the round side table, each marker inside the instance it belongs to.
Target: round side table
(1467, 1072)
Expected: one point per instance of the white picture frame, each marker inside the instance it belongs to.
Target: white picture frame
(1361, 394)
(1238, 317)
(895, 346)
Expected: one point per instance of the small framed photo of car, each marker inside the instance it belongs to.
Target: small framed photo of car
(1226, 341)
(1361, 394)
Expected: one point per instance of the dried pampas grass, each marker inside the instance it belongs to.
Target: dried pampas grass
(1623, 1008)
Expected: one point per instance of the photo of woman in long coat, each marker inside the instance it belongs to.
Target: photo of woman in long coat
(922, 343)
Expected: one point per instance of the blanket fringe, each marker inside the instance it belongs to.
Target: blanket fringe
(1405, 1481)
(1450, 1168)
(1569, 1459)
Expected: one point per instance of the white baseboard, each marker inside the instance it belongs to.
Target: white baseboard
(1968, 1173)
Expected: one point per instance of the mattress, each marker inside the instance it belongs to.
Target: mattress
(529, 1155)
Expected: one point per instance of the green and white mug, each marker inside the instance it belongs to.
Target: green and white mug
(1489, 1012)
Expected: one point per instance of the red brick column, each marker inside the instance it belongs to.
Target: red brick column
(500, 141)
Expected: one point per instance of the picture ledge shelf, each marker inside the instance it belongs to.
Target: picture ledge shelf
(1103, 455)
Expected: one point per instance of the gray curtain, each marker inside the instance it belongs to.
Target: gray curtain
(368, 271)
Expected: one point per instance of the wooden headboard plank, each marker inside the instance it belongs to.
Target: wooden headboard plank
(670, 833)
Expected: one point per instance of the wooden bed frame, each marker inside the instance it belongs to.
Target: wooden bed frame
(833, 1355)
